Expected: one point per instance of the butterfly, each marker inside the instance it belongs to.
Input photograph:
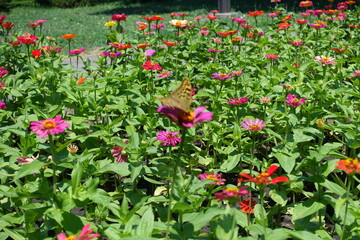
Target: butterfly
(180, 98)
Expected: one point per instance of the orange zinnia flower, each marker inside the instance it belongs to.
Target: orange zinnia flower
(247, 205)
(348, 165)
(80, 81)
(263, 177)
(68, 36)
(169, 44)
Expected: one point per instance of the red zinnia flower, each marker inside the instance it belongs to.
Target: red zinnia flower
(348, 165)
(36, 54)
(169, 44)
(118, 17)
(255, 13)
(247, 205)
(264, 177)
(8, 25)
(27, 39)
(150, 65)
(153, 18)
(14, 44)
(340, 51)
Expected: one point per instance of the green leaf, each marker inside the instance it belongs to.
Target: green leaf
(182, 207)
(335, 188)
(122, 169)
(146, 224)
(339, 205)
(260, 215)
(306, 208)
(76, 176)
(30, 168)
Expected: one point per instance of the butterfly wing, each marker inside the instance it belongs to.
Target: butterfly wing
(180, 97)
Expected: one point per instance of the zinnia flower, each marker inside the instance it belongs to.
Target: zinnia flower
(264, 99)
(264, 177)
(238, 101)
(253, 125)
(110, 24)
(356, 73)
(150, 65)
(185, 119)
(231, 193)
(349, 165)
(325, 60)
(293, 101)
(179, 23)
(85, 234)
(77, 51)
(119, 154)
(306, 4)
(3, 72)
(2, 105)
(216, 178)
(68, 36)
(296, 43)
(50, 126)
(169, 44)
(247, 205)
(27, 39)
(168, 138)
(36, 54)
(110, 54)
(118, 17)
(273, 57)
(255, 13)
(8, 25)
(149, 53)
(164, 74)
(222, 76)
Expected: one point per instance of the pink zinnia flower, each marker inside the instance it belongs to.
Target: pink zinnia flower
(222, 76)
(325, 60)
(50, 126)
(27, 39)
(356, 73)
(264, 99)
(85, 234)
(119, 154)
(204, 32)
(2, 105)
(317, 25)
(239, 20)
(110, 54)
(238, 101)
(77, 51)
(273, 57)
(216, 178)
(3, 72)
(253, 125)
(40, 21)
(164, 74)
(296, 43)
(149, 53)
(211, 50)
(232, 193)
(168, 138)
(293, 101)
(185, 119)
(301, 21)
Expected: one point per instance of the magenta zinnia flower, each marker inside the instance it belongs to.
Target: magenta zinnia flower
(272, 56)
(150, 65)
(119, 154)
(325, 60)
(110, 54)
(85, 234)
(292, 100)
(77, 51)
(222, 76)
(2, 105)
(216, 178)
(50, 126)
(168, 137)
(185, 119)
(253, 124)
(238, 101)
(3, 72)
(232, 193)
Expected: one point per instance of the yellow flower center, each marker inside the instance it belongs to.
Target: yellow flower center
(211, 177)
(187, 116)
(73, 237)
(255, 127)
(232, 189)
(49, 124)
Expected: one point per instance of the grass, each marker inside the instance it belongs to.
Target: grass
(88, 22)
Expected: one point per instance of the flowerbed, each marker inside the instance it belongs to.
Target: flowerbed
(219, 130)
